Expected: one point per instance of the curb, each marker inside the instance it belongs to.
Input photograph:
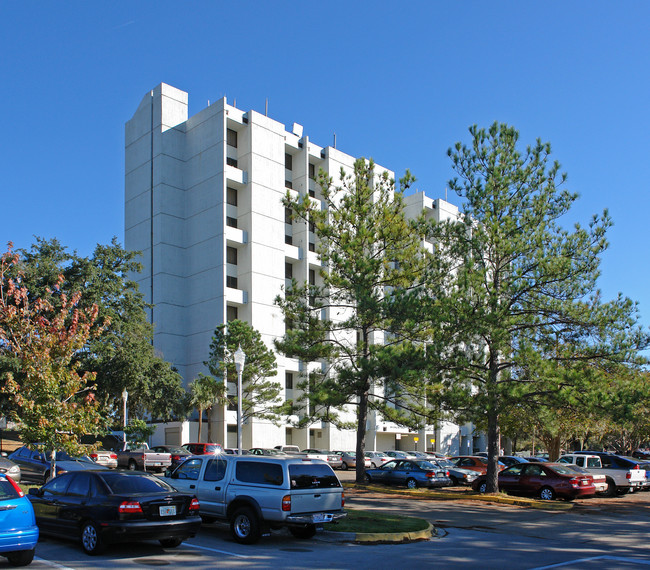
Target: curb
(376, 537)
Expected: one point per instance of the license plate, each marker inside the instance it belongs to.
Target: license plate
(157, 464)
(168, 511)
(322, 517)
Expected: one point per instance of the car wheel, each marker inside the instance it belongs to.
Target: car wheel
(367, 478)
(90, 538)
(454, 481)
(303, 531)
(244, 526)
(344, 466)
(170, 542)
(132, 465)
(546, 494)
(611, 488)
(411, 483)
(482, 488)
(20, 557)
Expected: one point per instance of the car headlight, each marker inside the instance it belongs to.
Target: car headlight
(14, 469)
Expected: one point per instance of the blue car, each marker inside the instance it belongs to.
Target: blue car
(18, 530)
(413, 474)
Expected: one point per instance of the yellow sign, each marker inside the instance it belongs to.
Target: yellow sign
(433, 441)
(416, 439)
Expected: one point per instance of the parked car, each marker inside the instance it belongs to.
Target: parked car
(349, 460)
(266, 451)
(600, 481)
(457, 475)
(623, 475)
(331, 458)
(412, 473)
(177, 452)
(536, 459)
(394, 454)
(289, 449)
(18, 530)
(545, 480)
(377, 458)
(138, 456)
(103, 457)
(104, 507)
(255, 493)
(473, 463)
(510, 460)
(233, 451)
(203, 448)
(35, 465)
(641, 454)
(8, 467)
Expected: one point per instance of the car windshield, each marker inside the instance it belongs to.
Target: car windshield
(171, 449)
(7, 490)
(60, 456)
(445, 463)
(425, 464)
(126, 484)
(312, 476)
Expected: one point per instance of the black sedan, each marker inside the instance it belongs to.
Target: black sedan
(409, 472)
(36, 465)
(103, 507)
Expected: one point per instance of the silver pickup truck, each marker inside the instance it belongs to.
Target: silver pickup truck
(258, 493)
(141, 457)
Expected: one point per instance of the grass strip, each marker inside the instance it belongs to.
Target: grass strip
(373, 521)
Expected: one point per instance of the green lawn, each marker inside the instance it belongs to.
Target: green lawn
(372, 521)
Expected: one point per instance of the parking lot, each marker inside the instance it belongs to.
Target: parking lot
(595, 533)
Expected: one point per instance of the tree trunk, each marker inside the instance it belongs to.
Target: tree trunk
(492, 476)
(361, 436)
(200, 423)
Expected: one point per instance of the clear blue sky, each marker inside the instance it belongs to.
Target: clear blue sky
(396, 81)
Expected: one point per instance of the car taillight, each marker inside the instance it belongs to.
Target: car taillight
(130, 507)
(575, 482)
(113, 456)
(430, 474)
(286, 503)
(194, 505)
(176, 457)
(628, 475)
(446, 473)
(342, 500)
(15, 486)
(93, 456)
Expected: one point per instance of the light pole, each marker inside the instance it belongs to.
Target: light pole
(240, 359)
(125, 397)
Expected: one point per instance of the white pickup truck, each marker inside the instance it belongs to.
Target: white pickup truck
(622, 475)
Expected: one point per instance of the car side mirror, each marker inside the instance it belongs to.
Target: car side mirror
(169, 472)
(35, 491)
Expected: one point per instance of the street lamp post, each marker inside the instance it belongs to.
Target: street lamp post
(125, 397)
(240, 359)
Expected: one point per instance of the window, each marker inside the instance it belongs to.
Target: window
(312, 277)
(231, 222)
(312, 171)
(312, 246)
(288, 184)
(231, 255)
(231, 313)
(80, 485)
(312, 476)
(215, 470)
(312, 227)
(288, 239)
(312, 194)
(190, 469)
(231, 162)
(288, 216)
(231, 282)
(288, 380)
(231, 196)
(262, 473)
(288, 161)
(288, 271)
(231, 138)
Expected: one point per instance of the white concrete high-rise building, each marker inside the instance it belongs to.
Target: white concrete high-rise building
(203, 204)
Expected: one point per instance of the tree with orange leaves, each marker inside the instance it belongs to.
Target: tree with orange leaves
(53, 404)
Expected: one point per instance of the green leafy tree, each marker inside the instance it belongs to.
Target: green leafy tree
(525, 287)
(205, 393)
(262, 395)
(137, 432)
(53, 404)
(122, 355)
(354, 319)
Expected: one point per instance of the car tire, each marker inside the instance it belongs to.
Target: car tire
(20, 557)
(170, 542)
(303, 532)
(546, 494)
(454, 481)
(611, 489)
(367, 478)
(244, 526)
(482, 488)
(132, 465)
(411, 483)
(91, 540)
(344, 466)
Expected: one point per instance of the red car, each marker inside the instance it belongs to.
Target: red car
(203, 448)
(473, 463)
(545, 480)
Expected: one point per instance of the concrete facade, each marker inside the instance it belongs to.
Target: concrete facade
(203, 205)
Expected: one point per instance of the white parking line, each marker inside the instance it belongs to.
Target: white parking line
(215, 550)
(52, 564)
(579, 560)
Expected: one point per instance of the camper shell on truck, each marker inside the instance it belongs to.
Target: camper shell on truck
(258, 493)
